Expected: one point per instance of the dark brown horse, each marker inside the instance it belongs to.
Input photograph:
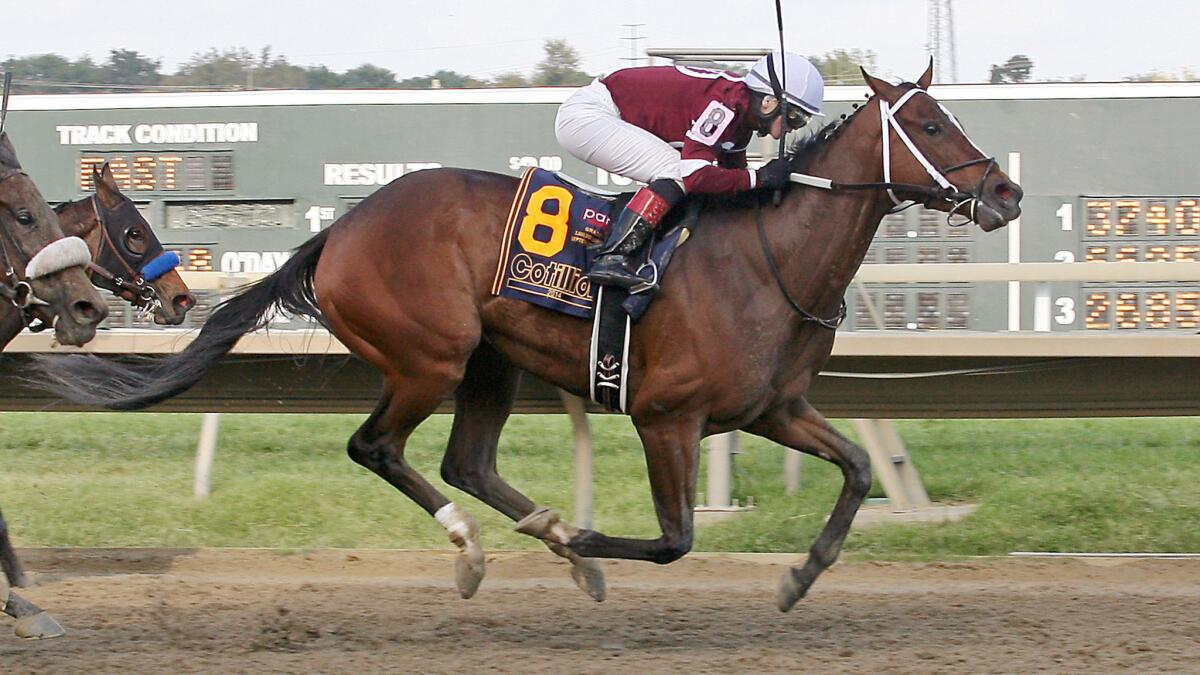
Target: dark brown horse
(42, 271)
(124, 248)
(742, 326)
(118, 237)
(42, 279)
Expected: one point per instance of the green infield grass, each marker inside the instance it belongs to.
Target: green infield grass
(284, 481)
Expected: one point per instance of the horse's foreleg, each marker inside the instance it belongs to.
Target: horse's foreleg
(8, 558)
(483, 402)
(672, 460)
(803, 428)
(379, 446)
(33, 622)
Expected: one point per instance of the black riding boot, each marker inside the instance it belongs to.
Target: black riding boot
(633, 227)
(612, 267)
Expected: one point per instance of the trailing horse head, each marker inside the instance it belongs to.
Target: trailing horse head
(924, 145)
(43, 270)
(128, 258)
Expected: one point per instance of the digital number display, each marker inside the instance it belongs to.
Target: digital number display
(910, 309)
(198, 260)
(1141, 309)
(276, 214)
(1141, 229)
(1165, 220)
(142, 172)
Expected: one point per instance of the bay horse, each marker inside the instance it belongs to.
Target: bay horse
(743, 324)
(118, 238)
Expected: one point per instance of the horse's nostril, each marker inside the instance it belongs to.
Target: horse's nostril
(183, 302)
(86, 312)
(1005, 191)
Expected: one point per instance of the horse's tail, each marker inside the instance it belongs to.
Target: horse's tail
(140, 381)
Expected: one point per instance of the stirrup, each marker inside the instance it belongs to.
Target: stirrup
(645, 284)
(614, 279)
(617, 274)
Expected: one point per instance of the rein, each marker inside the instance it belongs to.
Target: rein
(944, 191)
(806, 315)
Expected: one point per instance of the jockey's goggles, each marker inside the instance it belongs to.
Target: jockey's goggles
(796, 118)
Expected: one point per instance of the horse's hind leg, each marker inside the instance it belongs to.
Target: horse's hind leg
(379, 445)
(803, 428)
(8, 558)
(483, 402)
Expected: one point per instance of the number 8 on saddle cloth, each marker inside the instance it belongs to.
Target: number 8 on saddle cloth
(550, 239)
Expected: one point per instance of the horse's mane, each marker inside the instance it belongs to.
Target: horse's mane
(804, 150)
(799, 156)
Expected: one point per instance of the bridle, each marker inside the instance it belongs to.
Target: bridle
(949, 192)
(56, 256)
(944, 191)
(128, 279)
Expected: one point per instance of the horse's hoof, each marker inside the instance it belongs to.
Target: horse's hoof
(538, 523)
(545, 524)
(469, 566)
(38, 626)
(790, 591)
(588, 573)
(589, 576)
(468, 571)
(464, 533)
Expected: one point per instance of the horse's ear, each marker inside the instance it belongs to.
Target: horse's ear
(927, 76)
(877, 85)
(8, 154)
(106, 185)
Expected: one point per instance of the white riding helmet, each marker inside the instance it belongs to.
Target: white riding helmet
(801, 81)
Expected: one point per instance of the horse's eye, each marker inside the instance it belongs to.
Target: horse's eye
(24, 217)
(135, 240)
(933, 128)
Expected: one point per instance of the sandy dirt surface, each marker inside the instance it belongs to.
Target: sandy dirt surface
(172, 611)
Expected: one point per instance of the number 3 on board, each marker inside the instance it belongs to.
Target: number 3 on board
(536, 217)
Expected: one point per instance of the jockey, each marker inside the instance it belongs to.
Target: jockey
(682, 130)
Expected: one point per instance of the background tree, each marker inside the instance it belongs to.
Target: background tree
(368, 76)
(1016, 69)
(230, 68)
(274, 72)
(513, 79)
(127, 67)
(444, 79)
(321, 77)
(842, 66)
(44, 73)
(560, 67)
(1186, 75)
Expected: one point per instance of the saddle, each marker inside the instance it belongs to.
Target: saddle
(555, 227)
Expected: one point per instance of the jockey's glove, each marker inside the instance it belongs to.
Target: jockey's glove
(772, 175)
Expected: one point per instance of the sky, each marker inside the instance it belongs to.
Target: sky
(1103, 40)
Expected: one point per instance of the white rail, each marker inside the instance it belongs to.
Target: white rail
(910, 273)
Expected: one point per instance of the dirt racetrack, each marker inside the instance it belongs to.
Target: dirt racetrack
(171, 611)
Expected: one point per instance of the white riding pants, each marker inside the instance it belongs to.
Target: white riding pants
(589, 126)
